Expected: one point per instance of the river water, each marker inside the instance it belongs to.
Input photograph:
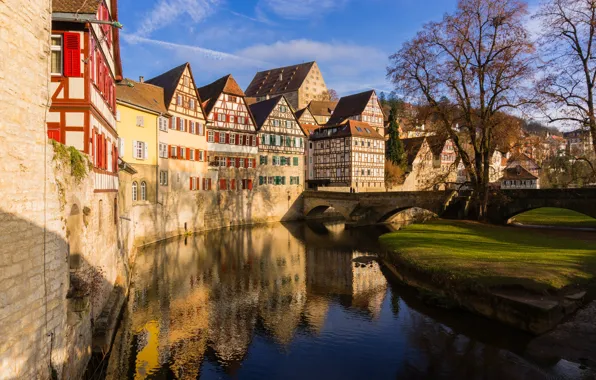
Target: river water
(298, 301)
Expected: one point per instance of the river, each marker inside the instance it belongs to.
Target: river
(298, 301)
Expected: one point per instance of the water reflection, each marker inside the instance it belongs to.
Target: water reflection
(288, 301)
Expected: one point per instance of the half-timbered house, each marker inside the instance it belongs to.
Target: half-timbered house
(182, 143)
(282, 143)
(322, 110)
(85, 65)
(364, 107)
(308, 124)
(304, 116)
(349, 155)
(298, 83)
(231, 135)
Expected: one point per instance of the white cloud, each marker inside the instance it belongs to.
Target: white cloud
(168, 11)
(301, 9)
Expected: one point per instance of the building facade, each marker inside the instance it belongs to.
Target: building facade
(300, 84)
(364, 107)
(140, 115)
(281, 143)
(517, 177)
(579, 143)
(322, 110)
(350, 155)
(231, 137)
(182, 143)
(85, 64)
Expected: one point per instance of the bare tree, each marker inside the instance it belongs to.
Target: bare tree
(469, 69)
(329, 95)
(567, 44)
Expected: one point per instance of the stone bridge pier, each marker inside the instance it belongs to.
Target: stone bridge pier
(372, 208)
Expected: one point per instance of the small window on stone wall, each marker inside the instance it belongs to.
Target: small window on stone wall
(134, 192)
(143, 191)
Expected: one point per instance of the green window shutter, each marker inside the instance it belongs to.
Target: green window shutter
(295, 161)
(283, 180)
(260, 180)
(283, 161)
(297, 180)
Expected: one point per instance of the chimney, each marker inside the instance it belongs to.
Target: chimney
(142, 79)
(281, 77)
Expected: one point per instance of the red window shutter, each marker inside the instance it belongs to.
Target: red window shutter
(185, 125)
(115, 157)
(215, 116)
(72, 54)
(216, 136)
(246, 162)
(105, 152)
(229, 162)
(171, 122)
(254, 162)
(258, 141)
(237, 140)
(169, 151)
(223, 184)
(249, 184)
(179, 152)
(54, 134)
(191, 182)
(228, 118)
(238, 162)
(232, 184)
(227, 138)
(188, 153)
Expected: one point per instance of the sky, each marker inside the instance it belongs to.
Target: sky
(351, 40)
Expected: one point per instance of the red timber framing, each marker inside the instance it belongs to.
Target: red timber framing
(84, 72)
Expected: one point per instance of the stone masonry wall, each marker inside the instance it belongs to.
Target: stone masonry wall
(45, 328)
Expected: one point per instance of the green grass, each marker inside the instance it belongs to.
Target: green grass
(555, 217)
(478, 255)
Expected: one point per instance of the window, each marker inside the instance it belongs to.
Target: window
(241, 120)
(192, 155)
(283, 161)
(180, 124)
(206, 183)
(232, 118)
(222, 162)
(210, 136)
(179, 100)
(135, 195)
(263, 160)
(163, 178)
(183, 153)
(283, 108)
(163, 124)
(276, 123)
(222, 137)
(173, 152)
(254, 140)
(143, 191)
(192, 127)
(163, 150)
(221, 117)
(140, 150)
(233, 138)
(295, 161)
(251, 162)
(56, 48)
(200, 129)
(140, 121)
(201, 155)
(275, 160)
(186, 81)
(191, 104)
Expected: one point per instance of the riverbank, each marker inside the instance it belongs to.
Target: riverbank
(555, 217)
(530, 279)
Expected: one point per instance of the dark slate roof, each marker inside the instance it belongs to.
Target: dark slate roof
(211, 92)
(436, 144)
(75, 6)
(349, 106)
(412, 147)
(299, 113)
(517, 173)
(143, 95)
(262, 110)
(322, 107)
(268, 82)
(524, 159)
(169, 82)
(351, 128)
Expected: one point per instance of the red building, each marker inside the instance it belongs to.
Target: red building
(85, 64)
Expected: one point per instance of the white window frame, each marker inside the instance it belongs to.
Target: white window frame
(163, 178)
(143, 190)
(59, 48)
(191, 127)
(135, 194)
(210, 136)
(162, 123)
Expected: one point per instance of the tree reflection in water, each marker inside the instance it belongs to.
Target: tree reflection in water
(286, 301)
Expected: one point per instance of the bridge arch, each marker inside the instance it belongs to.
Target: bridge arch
(318, 210)
(423, 213)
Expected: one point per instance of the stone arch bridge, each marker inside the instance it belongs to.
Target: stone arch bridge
(372, 208)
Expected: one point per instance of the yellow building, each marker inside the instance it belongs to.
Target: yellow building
(140, 113)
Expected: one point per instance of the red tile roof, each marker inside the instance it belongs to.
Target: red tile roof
(76, 6)
(143, 95)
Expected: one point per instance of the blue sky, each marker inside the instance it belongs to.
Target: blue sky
(350, 39)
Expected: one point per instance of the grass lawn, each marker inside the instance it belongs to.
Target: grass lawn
(472, 254)
(555, 217)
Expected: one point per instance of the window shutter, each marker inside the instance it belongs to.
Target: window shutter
(216, 137)
(54, 134)
(146, 151)
(222, 184)
(237, 140)
(237, 162)
(227, 138)
(172, 121)
(188, 153)
(72, 54)
(254, 162)
(185, 125)
(228, 162)
(249, 184)
(191, 182)
(246, 162)
(121, 145)
(134, 149)
(233, 184)
(115, 158)
(169, 151)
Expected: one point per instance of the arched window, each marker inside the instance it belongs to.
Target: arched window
(135, 195)
(143, 191)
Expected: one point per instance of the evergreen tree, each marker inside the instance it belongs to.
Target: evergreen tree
(382, 98)
(394, 149)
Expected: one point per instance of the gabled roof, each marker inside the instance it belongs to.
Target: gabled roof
(350, 128)
(436, 144)
(76, 6)
(522, 157)
(262, 110)
(349, 106)
(517, 173)
(169, 82)
(322, 107)
(308, 129)
(302, 112)
(142, 95)
(279, 80)
(211, 92)
(412, 147)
